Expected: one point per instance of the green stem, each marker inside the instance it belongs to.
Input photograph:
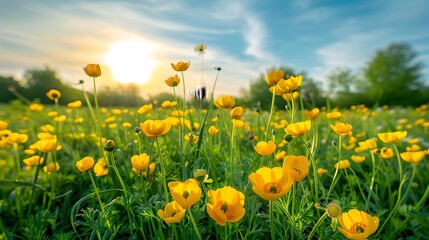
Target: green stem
(271, 112)
(32, 190)
(96, 191)
(112, 159)
(272, 220)
(193, 223)
(182, 121)
(336, 169)
(164, 183)
(372, 182)
(423, 199)
(313, 165)
(398, 158)
(310, 236)
(232, 158)
(293, 209)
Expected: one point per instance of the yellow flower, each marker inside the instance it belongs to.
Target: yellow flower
(17, 138)
(341, 128)
(213, 130)
(313, 114)
(191, 138)
(140, 162)
(155, 128)
(51, 167)
(48, 145)
(145, 108)
(386, 152)
(75, 104)
(290, 85)
(185, 193)
(274, 77)
(168, 104)
(288, 97)
(33, 161)
(200, 49)
(298, 129)
(413, 157)
(181, 66)
(3, 125)
(358, 159)
(392, 137)
(172, 212)
(92, 70)
(343, 164)
(413, 148)
(226, 205)
(265, 148)
(333, 115)
(35, 107)
(172, 81)
(368, 144)
(85, 164)
(280, 155)
(53, 94)
(100, 168)
(321, 171)
(271, 183)
(225, 102)
(236, 112)
(357, 224)
(298, 167)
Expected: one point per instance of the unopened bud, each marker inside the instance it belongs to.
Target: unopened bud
(109, 145)
(200, 174)
(334, 144)
(333, 210)
(137, 130)
(288, 137)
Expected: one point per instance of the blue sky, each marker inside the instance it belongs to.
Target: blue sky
(245, 38)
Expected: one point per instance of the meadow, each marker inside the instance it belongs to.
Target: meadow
(185, 169)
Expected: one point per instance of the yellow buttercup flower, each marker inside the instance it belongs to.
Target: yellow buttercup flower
(392, 137)
(100, 168)
(358, 225)
(17, 138)
(341, 128)
(48, 145)
(185, 193)
(274, 76)
(386, 152)
(298, 129)
(358, 159)
(413, 148)
(413, 157)
(145, 108)
(53, 94)
(225, 102)
(236, 112)
(155, 128)
(213, 130)
(321, 171)
(35, 107)
(92, 70)
(140, 163)
(265, 148)
(289, 85)
(333, 115)
(226, 205)
(200, 49)
(85, 164)
(368, 144)
(298, 166)
(280, 155)
(191, 138)
(313, 114)
(288, 97)
(3, 125)
(75, 104)
(181, 66)
(51, 167)
(172, 212)
(271, 183)
(343, 164)
(172, 81)
(33, 161)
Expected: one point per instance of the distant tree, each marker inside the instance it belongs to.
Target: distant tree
(7, 85)
(394, 76)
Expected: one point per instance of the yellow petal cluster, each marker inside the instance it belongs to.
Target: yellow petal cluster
(172, 212)
(271, 183)
(226, 205)
(155, 128)
(85, 164)
(265, 148)
(358, 225)
(298, 129)
(185, 193)
(392, 137)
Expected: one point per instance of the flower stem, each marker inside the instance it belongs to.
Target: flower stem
(372, 182)
(32, 190)
(310, 236)
(112, 159)
(96, 191)
(336, 169)
(272, 220)
(271, 112)
(164, 183)
(399, 161)
(193, 223)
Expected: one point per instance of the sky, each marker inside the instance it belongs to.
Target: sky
(137, 40)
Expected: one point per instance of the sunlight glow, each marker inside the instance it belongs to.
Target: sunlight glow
(130, 61)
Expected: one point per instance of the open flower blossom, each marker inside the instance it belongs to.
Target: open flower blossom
(17, 138)
(368, 144)
(357, 159)
(274, 76)
(356, 224)
(271, 183)
(225, 102)
(51, 167)
(53, 94)
(289, 85)
(100, 168)
(140, 163)
(92, 70)
(213, 130)
(172, 81)
(386, 152)
(85, 164)
(75, 104)
(185, 193)
(33, 161)
(334, 114)
(226, 205)
(35, 107)
(172, 212)
(298, 129)
(155, 128)
(181, 66)
(298, 166)
(47, 145)
(313, 114)
(341, 128)
(145, 108)
(191, 138)
(392, 137)
(265, 148)
(413, 157)
(343, 164)
(236, 112)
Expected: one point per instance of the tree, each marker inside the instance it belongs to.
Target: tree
(394, 76)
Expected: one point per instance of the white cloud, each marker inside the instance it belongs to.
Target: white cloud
(302, 3)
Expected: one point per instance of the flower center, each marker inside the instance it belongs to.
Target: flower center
(298, 170)
(173, 213)
(185, 194)
(272, 187)
(358, 227)
(224, 207)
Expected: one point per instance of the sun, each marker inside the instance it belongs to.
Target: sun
(130, 61)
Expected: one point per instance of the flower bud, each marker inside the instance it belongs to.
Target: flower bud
(200, 174)
(309, 144)
(333, 210)
(137, 130)
(288, 137)
(109, 145)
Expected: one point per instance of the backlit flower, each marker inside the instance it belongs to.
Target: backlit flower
(92, 70)
(392, 137)
(236, 112)
(172, 81)
(265, 148)
(290, 85)
(172, 212)
(140, 162)
(226, 205)
(181, 66)
(298, 166)
(155, 128)
(185, 193)
(35, 107)
(100, 168)
(200, 49)
(333, 114)
(274, 76)
(53, 94)
(341, 128)
(225, 102)
(75, 104)
(85, 164)
(313, 114)
(145, 108)
(413, 157)
(298, 129)
(271, 183)
(358, 225)
(33, 161)
(343, 164)
(51, 167)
